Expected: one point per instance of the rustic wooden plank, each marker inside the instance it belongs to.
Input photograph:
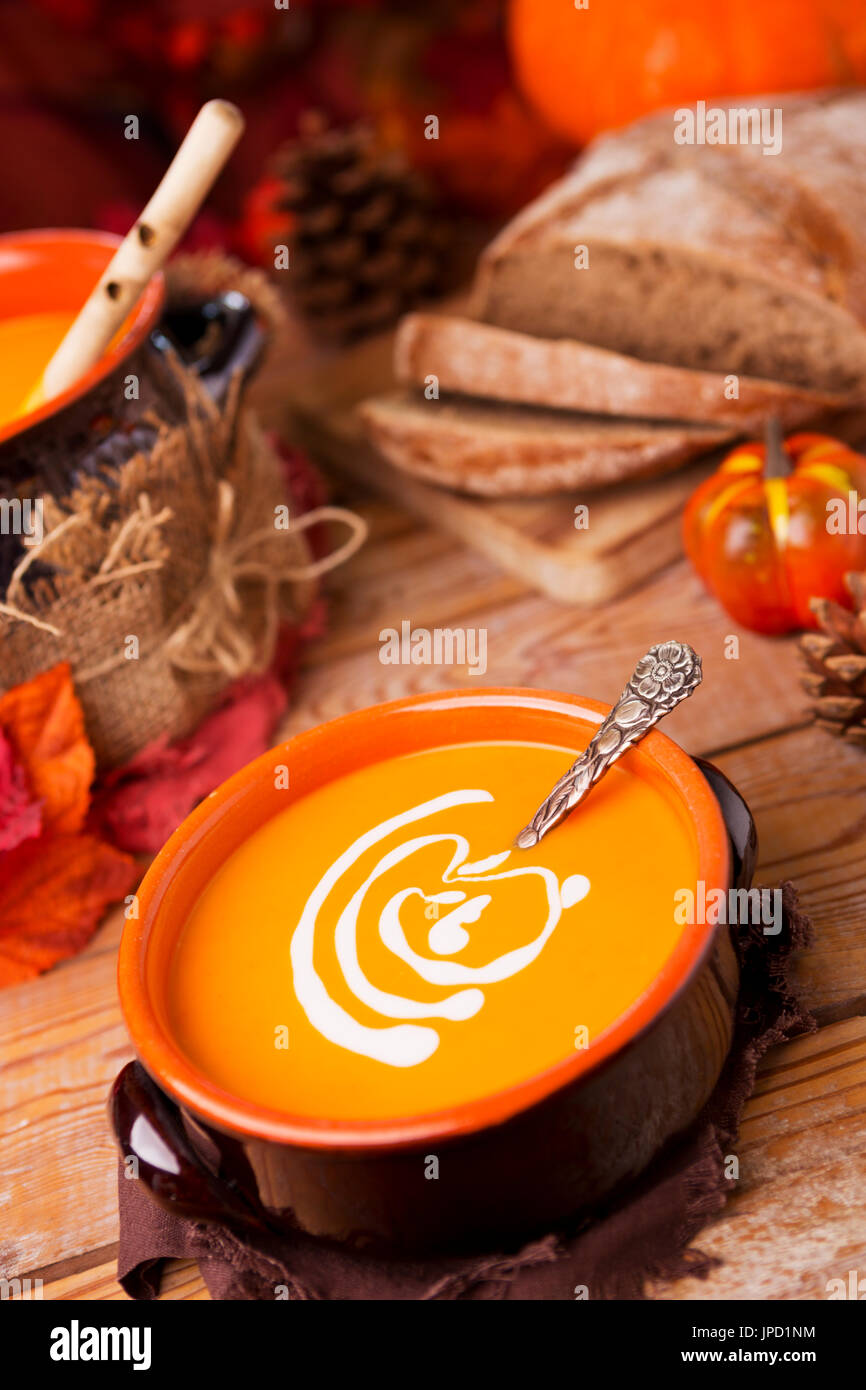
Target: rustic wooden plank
(421, 572)
(535, 643)
(181, 1281)
(90, 1285)
(806, 791)
(63, 1041)
(797, 1218)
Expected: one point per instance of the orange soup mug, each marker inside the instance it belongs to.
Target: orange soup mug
(51, 273)
(49, 446)
(512, 1161)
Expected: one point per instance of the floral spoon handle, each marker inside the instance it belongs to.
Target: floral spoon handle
(669, 673)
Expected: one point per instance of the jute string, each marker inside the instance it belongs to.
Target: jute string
(213, 638)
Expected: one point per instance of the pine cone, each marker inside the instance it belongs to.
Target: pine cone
(836, 661)
(366, 241)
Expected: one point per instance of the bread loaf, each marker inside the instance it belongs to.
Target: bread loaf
(478, 359)
(711, 257)
(495, 450)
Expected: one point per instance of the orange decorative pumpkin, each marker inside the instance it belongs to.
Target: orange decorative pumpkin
(778, 524)
(597, 67)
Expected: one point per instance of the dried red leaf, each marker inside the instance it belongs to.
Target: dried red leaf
(44, 723)
(20, 814)
(53, 892)
(145, 801)
(306, 488)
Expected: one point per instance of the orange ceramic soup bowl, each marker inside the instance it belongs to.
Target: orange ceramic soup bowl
(101, 421)
(338, 1135)
(52, 272)
(45, 278)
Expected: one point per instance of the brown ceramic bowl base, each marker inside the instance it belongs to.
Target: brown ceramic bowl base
(549, 1163)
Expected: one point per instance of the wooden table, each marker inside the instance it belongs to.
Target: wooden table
(798, 1215)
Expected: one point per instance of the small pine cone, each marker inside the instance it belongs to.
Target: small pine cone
(835, 660)
(366, 239)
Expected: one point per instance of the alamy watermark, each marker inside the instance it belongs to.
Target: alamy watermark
(438, 646)
(729, 907)
(846, 516)
(77, 1343)
(853, 1287)
(22, 516)
(738, 125)
(20, 1289)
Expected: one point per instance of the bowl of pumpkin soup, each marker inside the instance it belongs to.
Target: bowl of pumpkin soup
(45, 277)
(49, 444)
(361, 1011)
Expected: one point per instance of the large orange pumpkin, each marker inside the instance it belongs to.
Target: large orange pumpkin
(592, 69)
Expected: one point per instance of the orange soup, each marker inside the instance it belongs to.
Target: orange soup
(27, 344)
(379, 949)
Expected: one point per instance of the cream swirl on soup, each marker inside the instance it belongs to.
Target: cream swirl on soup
(256, 975)
(407, 1044)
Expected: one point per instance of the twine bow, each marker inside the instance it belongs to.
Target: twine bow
(215, 639)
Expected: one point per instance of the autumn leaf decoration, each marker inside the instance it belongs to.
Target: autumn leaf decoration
(56, 879)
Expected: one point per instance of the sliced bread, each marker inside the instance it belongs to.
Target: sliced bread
(478, 359)
(495, 450)
(708, 257)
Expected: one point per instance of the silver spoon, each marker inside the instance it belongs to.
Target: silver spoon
(668, 674)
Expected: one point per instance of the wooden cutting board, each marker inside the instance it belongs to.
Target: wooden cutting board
(633, 529)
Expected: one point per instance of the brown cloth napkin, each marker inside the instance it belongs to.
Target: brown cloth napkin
(641, 1235)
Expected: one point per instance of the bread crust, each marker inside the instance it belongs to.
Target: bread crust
(492, 450)
(479, 359)
(703, 262)
(784, 235)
